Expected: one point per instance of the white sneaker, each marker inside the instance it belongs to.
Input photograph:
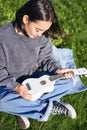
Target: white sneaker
(23, 122)
(63, 108)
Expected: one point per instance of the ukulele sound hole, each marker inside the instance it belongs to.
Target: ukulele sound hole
(43, 82)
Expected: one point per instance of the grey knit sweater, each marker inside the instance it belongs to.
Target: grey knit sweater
(21, 56)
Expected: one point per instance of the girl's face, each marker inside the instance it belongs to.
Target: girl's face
(37, 28)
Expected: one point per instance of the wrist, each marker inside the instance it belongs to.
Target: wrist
(58, 70)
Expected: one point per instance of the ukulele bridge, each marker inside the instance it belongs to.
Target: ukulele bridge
(28, 86)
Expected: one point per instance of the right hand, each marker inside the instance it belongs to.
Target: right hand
(23, 92)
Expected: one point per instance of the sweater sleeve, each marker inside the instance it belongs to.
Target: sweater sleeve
(6, 79)
(46, 60)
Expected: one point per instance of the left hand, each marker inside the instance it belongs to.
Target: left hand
(68, 73)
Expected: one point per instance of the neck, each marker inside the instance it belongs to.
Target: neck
(23, 32)
(17, 29)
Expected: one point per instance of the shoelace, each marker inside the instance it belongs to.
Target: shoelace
(59, 110)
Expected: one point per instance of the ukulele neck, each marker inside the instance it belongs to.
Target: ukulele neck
(56, 77)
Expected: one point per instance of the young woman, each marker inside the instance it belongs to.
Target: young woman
(26, 51)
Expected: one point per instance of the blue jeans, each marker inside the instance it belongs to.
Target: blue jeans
(11, 102)
(40, 109)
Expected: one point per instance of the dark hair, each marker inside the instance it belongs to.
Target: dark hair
(39, 10)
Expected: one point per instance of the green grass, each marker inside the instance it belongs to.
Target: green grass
(73, 20)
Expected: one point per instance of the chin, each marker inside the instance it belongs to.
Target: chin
(33, 37)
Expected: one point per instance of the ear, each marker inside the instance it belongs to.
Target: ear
(25, 19)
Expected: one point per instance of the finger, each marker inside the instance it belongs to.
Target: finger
(68, 75)
(26, 96)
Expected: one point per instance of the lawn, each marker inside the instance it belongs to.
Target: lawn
(72, 16)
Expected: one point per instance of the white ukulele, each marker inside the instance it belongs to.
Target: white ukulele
(38, 86)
